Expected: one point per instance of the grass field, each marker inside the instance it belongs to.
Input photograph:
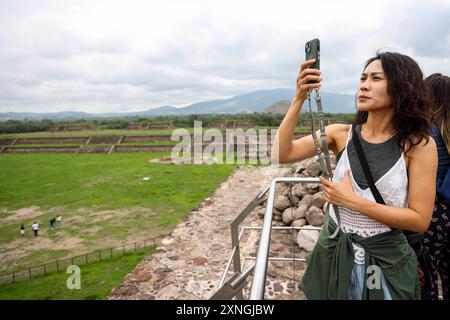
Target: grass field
(105, 199)
(97, 280)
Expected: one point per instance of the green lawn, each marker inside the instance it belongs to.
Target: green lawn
(97, 280)
(104, 181)
(105, 199)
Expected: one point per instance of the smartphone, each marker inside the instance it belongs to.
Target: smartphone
(312, 51)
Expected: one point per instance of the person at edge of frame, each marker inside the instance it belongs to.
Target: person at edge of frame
(437, 237)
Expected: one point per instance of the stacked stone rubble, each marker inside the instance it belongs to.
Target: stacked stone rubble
(300, 205)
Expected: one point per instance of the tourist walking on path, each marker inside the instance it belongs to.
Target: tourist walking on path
(52, 223)
(35, 227)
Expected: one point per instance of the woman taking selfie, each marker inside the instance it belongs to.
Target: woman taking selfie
(370, 257)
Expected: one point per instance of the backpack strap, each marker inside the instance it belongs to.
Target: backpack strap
(365, 167)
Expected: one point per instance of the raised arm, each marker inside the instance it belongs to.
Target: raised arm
(284, 149)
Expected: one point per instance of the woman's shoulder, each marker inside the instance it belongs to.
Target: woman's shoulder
(426, 148)
(338, 128)
(338, 131)
(337, 134)
(425, 145)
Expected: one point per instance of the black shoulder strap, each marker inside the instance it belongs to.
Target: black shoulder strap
(365, 166)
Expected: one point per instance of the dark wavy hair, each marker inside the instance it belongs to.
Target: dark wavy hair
(440, 89)
(410, 99)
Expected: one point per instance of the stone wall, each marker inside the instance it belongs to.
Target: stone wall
(5, 142)
(55, 149)
(104, 139)
(60, 140)
(157, 148)
(151, 138)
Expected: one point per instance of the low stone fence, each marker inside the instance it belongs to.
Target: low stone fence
(82, 259)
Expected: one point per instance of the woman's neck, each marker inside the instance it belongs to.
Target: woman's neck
(379, 126)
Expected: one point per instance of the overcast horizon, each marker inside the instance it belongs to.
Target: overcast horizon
(124, 56)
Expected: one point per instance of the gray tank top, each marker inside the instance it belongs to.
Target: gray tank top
(380, 156)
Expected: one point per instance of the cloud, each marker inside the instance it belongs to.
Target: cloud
(425, 29)
(110, 56)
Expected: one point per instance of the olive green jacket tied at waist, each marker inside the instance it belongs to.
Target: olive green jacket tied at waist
(330, 265)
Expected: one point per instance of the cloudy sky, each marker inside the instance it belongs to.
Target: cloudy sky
(130, 55)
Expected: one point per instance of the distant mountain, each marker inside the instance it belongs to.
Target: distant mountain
(257, 101)
(280, 107)
(165, 110)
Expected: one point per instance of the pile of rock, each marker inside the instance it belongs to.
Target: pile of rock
(298, 205)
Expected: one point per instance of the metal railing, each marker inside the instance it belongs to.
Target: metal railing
(233, 287)
(259, 276)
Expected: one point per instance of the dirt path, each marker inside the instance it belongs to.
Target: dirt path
(78, 234)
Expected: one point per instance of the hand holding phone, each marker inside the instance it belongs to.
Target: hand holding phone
(309, 76)
(312, 51)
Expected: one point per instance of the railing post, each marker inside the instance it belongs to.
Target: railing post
(236, 255)
(111, 252)
(14, 277)
(259, 275)
(57, 265)
(29, 273)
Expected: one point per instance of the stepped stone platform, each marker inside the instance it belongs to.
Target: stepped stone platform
(189, 263)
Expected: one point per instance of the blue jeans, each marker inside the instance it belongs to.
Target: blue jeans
(355, 289)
